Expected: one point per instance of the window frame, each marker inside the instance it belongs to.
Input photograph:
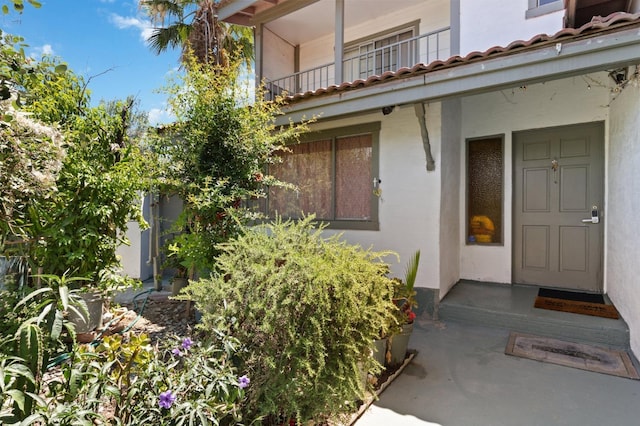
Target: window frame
(536, 10)
(373, 128)
(467, 215)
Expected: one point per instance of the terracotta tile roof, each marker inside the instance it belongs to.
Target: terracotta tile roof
(598, 25)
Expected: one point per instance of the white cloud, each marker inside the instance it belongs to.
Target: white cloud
(159, 116)
(124, 22)
(45, 49)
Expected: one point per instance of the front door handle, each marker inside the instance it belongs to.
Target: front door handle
(595, 217)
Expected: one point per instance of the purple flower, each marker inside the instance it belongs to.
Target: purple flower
(186, 343)
(243, 382)
(177, 352)
(167, 399)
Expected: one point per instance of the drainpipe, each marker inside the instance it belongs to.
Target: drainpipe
(339, 41)
(421, 113)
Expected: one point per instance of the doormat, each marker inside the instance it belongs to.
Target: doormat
(575, 302)
(575, 355)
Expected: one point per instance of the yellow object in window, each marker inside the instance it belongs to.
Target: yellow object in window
(482, 229)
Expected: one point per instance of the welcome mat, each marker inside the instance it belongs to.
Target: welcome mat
(575, 355)
(575, 302)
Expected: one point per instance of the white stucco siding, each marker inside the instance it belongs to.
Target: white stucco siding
(410, 201)
(488, 23)
(134, 258)
(623, 207)
(433, 15)
(317, 52)
(278, 56)
(557, 103)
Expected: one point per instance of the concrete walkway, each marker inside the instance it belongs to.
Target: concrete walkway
(461, 377)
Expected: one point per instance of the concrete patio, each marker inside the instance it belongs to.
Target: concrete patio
(461, 377)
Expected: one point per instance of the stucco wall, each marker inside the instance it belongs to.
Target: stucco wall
(488, 23)
(409, 205)
(134, 257)
(557, 103)
(623, 207)
(278, 56)
(432, 15)
(450, 202)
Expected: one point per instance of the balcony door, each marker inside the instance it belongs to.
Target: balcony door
(377, 55)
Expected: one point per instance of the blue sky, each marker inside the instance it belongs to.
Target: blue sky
(100, 38)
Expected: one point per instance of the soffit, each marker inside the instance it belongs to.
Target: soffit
(303, 20)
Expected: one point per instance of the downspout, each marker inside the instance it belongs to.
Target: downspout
(421, 113)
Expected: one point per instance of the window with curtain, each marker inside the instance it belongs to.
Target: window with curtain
(333, 175)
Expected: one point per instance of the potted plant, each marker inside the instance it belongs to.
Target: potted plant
(404, 301)
(179, 268)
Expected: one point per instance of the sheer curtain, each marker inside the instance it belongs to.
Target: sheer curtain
(353, 177)
(333, 179)
(308, 167)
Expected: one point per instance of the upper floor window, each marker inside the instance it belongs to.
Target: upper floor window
(386, 51)
(333, 173)
(542, 7)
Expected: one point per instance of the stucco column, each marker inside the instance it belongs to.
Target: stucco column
(339, 40)
(257, 39)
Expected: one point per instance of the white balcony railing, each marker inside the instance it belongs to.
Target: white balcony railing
(424, 48)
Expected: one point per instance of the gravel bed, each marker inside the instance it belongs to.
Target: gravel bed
(161, 318)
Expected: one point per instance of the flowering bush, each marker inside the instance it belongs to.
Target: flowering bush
(126, 381)
(225, 145)
(188, 383)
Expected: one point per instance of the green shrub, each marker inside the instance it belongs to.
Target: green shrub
(306, 309)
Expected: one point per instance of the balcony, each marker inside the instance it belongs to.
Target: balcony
(366, 60)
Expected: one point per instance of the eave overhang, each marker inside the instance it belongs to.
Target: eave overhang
(534, 63)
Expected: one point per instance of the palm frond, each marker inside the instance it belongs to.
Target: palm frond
(412, 271)
(172, 36)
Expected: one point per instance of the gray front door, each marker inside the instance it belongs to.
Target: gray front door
(558, 186)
